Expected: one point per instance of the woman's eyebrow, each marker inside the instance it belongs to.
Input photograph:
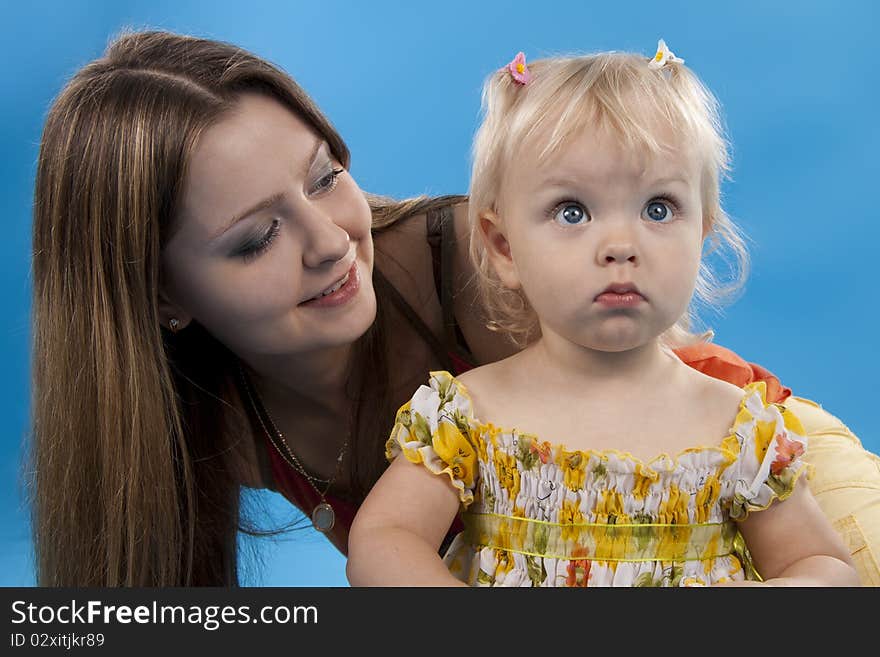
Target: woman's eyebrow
(267, 202)
(319, 145)
(275, 198)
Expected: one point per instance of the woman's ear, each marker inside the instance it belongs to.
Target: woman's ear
(498, 248)
(169, 311)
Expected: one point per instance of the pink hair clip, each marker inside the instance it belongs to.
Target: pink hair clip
(518, 69)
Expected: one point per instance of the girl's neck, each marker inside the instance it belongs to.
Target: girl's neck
(562, 363)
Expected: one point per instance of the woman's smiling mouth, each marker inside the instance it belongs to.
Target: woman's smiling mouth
(340, 292)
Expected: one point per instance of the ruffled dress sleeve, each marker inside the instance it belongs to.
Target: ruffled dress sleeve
(434, 429)
(772, 443)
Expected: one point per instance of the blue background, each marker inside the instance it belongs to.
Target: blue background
(797, 80)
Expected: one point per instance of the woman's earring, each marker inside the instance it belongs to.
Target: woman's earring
(174, 324)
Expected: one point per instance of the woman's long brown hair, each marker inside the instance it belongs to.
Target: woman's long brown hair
(135, 430)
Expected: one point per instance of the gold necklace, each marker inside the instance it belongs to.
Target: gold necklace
(323, 516)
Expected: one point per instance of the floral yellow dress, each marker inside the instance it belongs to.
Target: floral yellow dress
(536, 514)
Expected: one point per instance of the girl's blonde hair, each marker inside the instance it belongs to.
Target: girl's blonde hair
(618, 92)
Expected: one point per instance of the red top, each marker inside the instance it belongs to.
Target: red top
(708, 358)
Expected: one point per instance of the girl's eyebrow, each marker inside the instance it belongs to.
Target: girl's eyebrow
(562, 182)
(575, 182)
(670, 179)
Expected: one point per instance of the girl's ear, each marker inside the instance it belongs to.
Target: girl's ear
(498, 248)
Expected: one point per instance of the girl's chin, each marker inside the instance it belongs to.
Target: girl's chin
(616, 343)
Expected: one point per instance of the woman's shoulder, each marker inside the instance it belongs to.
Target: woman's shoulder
(403, 255)
(407, 225)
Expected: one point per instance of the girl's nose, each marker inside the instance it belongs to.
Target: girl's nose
(617, 252)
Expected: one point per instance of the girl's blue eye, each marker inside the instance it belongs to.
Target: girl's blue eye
(571, 214)
(658, 211)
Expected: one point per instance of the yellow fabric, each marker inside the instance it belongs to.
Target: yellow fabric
(604, 542)
(565, 517)
(846, 482)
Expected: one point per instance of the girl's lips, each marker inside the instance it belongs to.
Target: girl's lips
(624, 300)
(341, 296)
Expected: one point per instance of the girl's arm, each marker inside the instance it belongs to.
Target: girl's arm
(399, 528)
(793, 544)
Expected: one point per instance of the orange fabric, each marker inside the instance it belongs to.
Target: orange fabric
(724, 364)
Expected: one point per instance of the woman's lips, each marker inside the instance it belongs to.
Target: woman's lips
(343, 295)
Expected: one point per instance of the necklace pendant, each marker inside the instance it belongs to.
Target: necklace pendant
(323, 517)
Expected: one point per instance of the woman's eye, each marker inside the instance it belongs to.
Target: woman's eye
(658, 211)
(327, 182)
(255, 247)
(571, 214)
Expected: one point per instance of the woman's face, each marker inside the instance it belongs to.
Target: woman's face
(269, 221)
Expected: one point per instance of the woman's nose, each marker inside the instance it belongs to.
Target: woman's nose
(327, 242)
